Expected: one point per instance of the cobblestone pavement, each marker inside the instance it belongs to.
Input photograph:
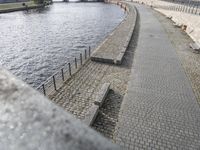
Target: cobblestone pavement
(190, 60)
(106, 120)
(160, 110)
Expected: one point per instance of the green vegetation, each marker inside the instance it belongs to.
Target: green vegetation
(19, 5)
(16, 5)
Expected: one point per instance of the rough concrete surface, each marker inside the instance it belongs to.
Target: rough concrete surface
(29, 121)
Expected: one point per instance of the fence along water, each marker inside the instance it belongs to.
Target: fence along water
(186, 7)
(54, 82)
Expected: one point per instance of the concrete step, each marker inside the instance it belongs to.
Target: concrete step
(94, 109)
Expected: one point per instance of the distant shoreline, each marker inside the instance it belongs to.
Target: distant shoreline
(11, 7)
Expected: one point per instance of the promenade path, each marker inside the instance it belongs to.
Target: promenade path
(160, 110)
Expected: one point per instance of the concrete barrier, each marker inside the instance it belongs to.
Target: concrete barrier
(102, 94)
(30, 121)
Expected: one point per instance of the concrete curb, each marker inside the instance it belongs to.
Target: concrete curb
(119, 58)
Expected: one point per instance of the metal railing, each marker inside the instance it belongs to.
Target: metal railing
(54, 82)
(191, 8)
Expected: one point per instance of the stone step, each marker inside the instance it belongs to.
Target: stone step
(91, 115)
(102, 94)
(94, 109)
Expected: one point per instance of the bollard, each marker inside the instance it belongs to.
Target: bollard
(85, 54)
(75, 63)
(89, 51)
(63, 78)
(81, 61)
(70, 71)
(54, 82)
(43, 87)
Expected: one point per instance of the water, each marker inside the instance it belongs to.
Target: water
(35, 44)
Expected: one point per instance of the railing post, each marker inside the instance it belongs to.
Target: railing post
(89, 51)
(44, 91)
(63, 78)
(54, 83)
(196, 10)
(75, 63)
(85, 54)
(70, 71)
(193, 9)
(81, 59)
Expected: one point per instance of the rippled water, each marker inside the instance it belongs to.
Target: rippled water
(35, 44)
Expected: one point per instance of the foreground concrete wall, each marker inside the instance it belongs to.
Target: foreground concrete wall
(29, 121)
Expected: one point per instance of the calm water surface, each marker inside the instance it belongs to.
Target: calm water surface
(33, 45)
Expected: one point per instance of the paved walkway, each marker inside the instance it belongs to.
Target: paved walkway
(183, 15)
(160, 110)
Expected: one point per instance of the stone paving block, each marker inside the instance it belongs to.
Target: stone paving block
(101, 95)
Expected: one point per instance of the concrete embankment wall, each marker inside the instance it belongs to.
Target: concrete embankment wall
(191, 21)
(113, 48)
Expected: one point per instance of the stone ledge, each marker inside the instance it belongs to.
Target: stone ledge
(114, 46)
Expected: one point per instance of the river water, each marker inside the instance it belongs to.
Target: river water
(34, 44)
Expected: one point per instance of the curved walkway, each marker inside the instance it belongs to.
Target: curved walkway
(160, 110)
